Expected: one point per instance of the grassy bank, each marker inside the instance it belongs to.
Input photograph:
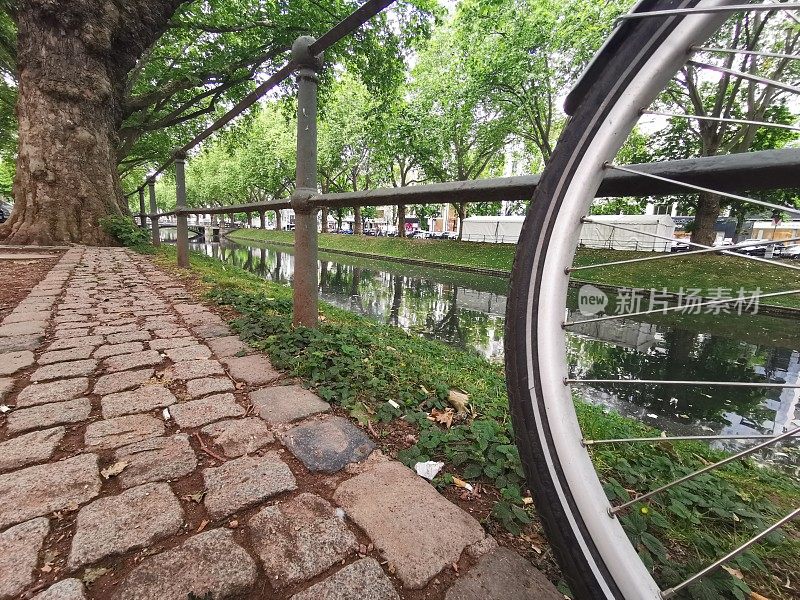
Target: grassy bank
(361, 365)
(705, 272)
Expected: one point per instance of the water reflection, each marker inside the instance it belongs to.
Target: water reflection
(467, 311)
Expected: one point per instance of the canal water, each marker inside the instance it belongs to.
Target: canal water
(467, 311)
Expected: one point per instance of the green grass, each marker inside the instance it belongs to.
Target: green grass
(360, 365)
(705, 272)
(446, 252)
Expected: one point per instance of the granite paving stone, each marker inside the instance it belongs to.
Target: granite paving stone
(211, 331)
(29, 448)
(18, 343)
(127, 337)
(27, 315)
(362, 580)
(156, 459)
(117, 349)
(119, 382)
(75, 342)
(197, 388)
(230, 345)
(133, 519)
(26, 328)
(55, 391)
(11, 362)
(139, 400)
(394, 507)
(6, 385)
(19, 554)
(126, 362)
(167, 343)
(195, 369)
(503, 575)
(68, 333)
(306, 529)
(286, 403)
(47, 415)
(42, 489)
(121, 431)
(237, 437)
(76, 368)
(253, 370)
(206, 410)
(328, 445)
(56, 356)
(66, 589)
(188, 353)
(245, 481)
(210, 562)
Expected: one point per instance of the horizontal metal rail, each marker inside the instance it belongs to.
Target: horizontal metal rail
(751, 171)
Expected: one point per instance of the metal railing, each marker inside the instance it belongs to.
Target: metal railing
(731, 173)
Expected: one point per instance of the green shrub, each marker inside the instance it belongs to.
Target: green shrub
(126, 232)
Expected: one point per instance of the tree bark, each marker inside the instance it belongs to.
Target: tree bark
(73, 60)
(401, 220)
(705, 219)
(462, 214)
(278, 220)
(358, 224)
(324, 219)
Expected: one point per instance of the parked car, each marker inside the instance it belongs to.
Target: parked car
(680, 247)
(756, 247)
(792, 251)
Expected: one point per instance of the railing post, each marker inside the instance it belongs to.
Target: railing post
(180, 203)
(305, 286)
(142, 222)
(151, 185)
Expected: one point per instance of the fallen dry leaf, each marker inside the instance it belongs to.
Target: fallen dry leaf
(735, 572)
(196, 498)
(92, 574)
(458, 400)
(757, 596)
(202, 526)
(114, 470)
(443, 417)
(462, 484)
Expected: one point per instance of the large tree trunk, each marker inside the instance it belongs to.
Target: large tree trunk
(401, 220)
(278, 220)
(324, 219)
(358, 222)
(462, 214)
(705, 219)
(73, 60)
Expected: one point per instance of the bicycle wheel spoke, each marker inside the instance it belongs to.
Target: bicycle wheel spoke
(754, 384)
(748, 52)
(727, 251)
(677, 438)
(742, 75)
(699, 188)
(669, 593)
(748, 299)
(705, 250)
(720, 119)
(788, 6)
(721, 463)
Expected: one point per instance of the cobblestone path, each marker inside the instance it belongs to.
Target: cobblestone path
(146, 453)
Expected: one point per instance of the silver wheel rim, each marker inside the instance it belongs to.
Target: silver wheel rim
(549, 351)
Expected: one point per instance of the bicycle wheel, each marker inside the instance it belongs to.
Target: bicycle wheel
(629, 73)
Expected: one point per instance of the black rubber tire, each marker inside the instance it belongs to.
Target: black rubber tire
(640, 42)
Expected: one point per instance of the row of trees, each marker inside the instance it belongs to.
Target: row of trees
(485, 87)
(485, 91)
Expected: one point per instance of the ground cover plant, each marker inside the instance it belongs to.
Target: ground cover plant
(362, 365)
